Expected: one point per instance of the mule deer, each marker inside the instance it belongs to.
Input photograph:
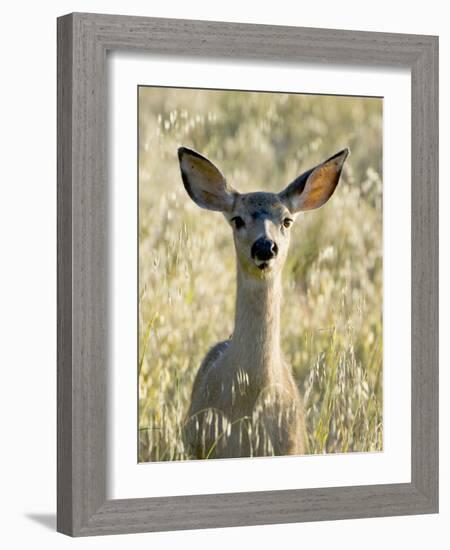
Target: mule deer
(245, 401)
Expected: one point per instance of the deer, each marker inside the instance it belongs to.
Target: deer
(245, 401)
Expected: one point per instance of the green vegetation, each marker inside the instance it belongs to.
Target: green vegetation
(332, 309)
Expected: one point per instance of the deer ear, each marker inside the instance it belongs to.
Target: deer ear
(313, 188)
(204, 182)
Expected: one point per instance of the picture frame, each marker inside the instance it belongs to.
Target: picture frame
(83, 41)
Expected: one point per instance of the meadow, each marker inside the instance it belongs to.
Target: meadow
(332, 282)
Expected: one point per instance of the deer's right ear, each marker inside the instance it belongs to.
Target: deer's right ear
(204, 182)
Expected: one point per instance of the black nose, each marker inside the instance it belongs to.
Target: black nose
(264, 249)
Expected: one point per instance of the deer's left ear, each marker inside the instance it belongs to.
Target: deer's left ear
(313, 188)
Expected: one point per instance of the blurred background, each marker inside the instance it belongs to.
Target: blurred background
(332, 308)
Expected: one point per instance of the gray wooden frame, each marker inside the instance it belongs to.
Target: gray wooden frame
(83, 41)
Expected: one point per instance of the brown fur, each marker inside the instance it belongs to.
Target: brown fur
(245, 401)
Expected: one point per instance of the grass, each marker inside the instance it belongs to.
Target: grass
(332, 309)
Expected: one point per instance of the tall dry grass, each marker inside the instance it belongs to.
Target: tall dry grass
(332, 309)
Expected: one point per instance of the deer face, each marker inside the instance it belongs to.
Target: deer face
(261, 225)
(261, 221)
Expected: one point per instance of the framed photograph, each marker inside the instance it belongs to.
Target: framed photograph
(247, 274)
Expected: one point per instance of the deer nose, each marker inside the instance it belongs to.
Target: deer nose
(264, 249)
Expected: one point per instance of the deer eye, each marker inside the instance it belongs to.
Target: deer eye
(238, 222)
(287, 222)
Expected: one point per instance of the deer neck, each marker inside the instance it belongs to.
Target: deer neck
(255, 344)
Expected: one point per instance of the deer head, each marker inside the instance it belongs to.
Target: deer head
(260, 221)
